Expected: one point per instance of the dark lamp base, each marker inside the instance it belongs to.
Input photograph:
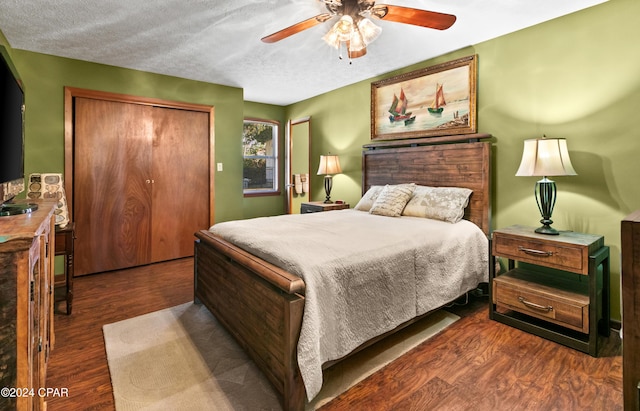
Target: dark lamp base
(546, 198)
(328, 182)
(545, 229)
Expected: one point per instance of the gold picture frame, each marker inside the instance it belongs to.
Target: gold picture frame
(435, 101)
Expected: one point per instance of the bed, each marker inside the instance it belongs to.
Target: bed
(260, 296)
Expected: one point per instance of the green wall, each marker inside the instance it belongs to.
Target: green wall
(575, 77)
(45, 77)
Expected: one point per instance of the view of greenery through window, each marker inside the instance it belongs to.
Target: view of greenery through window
(260, 142)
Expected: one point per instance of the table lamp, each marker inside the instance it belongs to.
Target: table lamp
(546, 157)
(329, 165)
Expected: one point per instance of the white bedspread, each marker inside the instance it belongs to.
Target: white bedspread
(364, 274)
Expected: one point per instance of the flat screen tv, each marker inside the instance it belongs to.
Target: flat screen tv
(11, 137)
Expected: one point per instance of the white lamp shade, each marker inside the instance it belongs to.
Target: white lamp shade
(546, 157)
(329, 164)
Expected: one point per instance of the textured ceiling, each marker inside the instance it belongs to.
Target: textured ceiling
(218, 41)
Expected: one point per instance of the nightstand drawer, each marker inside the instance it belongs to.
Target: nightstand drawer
(310, 208)
(543, 296)
(559, 256)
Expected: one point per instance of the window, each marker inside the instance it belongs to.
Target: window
(260, 157)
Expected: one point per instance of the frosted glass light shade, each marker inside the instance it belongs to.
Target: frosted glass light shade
(356, 42)
(369, 31)
(332, 38)
(355, 36)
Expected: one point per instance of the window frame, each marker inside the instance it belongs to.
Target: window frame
(275, 190)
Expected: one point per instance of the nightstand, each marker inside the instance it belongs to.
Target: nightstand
(559, 289)
(319, 206)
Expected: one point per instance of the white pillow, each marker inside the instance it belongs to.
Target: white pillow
(438, 203)
(392, 200)
(368, 198)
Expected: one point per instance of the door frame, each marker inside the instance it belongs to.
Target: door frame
(70, 93)
(288, 168)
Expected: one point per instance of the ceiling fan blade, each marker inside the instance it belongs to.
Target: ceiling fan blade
(296, 28)
(408, 15)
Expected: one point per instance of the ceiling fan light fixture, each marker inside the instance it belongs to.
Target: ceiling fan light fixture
(340, 32)
(356, 42)
(368, 30)
(379, 11)
(354, 53)
(354, 37)
(354, 29)
(344, 27)
(332, 38)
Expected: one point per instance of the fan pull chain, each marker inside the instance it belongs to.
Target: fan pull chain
(340, 52)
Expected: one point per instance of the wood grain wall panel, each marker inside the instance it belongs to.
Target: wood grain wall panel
(180, 181)
(141, 180)
(112, 199)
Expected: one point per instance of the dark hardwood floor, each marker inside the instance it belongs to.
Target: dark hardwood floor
(78, 361)
(475, 364)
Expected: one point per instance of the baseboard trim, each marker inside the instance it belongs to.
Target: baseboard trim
(615, 325)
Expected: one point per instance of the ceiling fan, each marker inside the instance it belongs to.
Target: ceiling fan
(355, 30)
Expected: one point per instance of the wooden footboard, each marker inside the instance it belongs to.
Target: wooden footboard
(260, 304)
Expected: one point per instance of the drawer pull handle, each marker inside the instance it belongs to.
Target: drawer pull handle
(529, 304)
(532, 251)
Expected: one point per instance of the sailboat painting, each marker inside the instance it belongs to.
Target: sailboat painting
(435, 101)
(398, 109)
(437, 107)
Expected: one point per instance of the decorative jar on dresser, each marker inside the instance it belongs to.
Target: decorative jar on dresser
(26, 306)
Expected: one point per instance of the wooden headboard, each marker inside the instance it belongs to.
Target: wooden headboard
(465, 165)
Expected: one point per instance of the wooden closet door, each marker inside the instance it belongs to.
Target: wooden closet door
(112, 198)
(180, 181)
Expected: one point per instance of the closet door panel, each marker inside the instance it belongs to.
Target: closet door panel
(181, 181)
(112, 198)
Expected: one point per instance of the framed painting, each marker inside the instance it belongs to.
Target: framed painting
(435, 101)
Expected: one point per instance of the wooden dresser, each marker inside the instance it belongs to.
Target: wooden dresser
(26, 307)
(630, 243)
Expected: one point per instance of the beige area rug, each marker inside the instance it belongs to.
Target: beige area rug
(181, 358)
